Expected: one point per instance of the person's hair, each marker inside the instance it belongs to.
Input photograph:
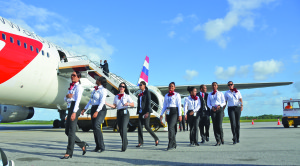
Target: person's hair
(214, 83)
(105, 61)
(190, 88)
(144, 83)
(172, 83)
(229, 81)
(126, 89)
(78, 73)
(103, 81)
(201, 86)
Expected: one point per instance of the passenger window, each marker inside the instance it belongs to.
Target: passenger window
(31, 48)
(25, 45)
(37, 50)
(19, 42)
(42, 52)
(3, 36)
(48, 54)
(11, 39)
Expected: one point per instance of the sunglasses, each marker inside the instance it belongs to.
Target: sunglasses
(73, 75)
(121, 86)
(140, 84)
(230, 84)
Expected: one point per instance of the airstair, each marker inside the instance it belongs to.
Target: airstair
(91, 71)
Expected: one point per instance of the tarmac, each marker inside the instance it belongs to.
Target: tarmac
(264, 143)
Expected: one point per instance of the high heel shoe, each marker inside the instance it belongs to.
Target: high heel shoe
(66, 157)
(84, 151)
(156, 142)
(218, 144)
(139, 145)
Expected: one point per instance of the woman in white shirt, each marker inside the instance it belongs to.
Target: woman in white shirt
(73, 99)
(122, 101)
(98, 112)
(216, 102)
(191, 107)
(235, 106)
(172, 103)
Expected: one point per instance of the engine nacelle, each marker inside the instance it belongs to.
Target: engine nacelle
(11, 113)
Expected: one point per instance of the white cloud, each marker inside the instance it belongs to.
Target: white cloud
(171, 34)
(295, 58)
(256, 94)
(263, 69)
(198, 27)
(223, 74)
(240, 13)
(41, 27)
(244, 70)
(178, 19)
(190, 74)
(276, 92)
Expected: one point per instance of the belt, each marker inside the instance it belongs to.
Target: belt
(233, 106)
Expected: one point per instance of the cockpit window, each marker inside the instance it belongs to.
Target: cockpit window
(11, 39)
(3, 36)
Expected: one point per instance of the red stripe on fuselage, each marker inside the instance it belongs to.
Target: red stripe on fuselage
(14, 58)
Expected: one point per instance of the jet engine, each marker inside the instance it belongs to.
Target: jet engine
(11, 113)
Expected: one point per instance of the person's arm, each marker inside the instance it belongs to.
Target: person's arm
(241, 100)
(78, 92)
(198, 106)
(226, 99)
(222, 100)
(178, 103)
(114, 105)
(185, 106)
(208, 101)
(129, 102)
(164, 107)
(102, 100)
(148, 101)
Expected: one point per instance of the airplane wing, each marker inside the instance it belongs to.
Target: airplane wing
(182, 89)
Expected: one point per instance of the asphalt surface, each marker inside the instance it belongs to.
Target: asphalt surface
(263, 143)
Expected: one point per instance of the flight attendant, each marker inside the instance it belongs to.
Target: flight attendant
(171, 107)
(122, 101)
(73, 99)
(235, 107)
(98, 112)
(144, 110)
(191, 106)
(216, 102)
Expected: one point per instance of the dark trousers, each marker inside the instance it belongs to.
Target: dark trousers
(217, 118)
(234, 116)
(182, 123)
(204, 126)
(96, 124)
(145, 122)
(194, 127)
(172, 119)
(123, 120)
(70, 131)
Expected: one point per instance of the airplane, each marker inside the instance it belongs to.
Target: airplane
(32, 75)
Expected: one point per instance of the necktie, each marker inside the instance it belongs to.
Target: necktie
(120, 96)
(203, 95)
(96, 87)
(171, 93)
(194, 97)
(234, 89)
(214, 92)
(72, 85)
(141, 94)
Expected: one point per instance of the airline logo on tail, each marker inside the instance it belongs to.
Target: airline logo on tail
(145, 71)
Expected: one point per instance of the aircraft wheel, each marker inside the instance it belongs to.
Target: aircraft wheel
(56, 123)
(286, 126)
(155, 128)
(85, 129)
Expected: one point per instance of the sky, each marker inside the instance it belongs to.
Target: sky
(188, 42)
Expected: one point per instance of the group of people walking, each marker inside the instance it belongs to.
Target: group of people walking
(197, 109)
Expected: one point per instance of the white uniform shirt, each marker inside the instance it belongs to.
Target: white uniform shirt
(97, 98)
(191, 104)
(172, 101)
(77, 91)
(216, 99)
(120, 103)
(233, 98)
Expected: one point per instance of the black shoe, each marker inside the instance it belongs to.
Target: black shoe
(101, 150)
(196, 144)
(234, 142)
(222, 141)
(84, 151)
(95, 150)
(122, 150)
(66, 157)
(202, 142)
(238, 141)
(218, 144)
(207, 139)
(139, 145)
(156, 142)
